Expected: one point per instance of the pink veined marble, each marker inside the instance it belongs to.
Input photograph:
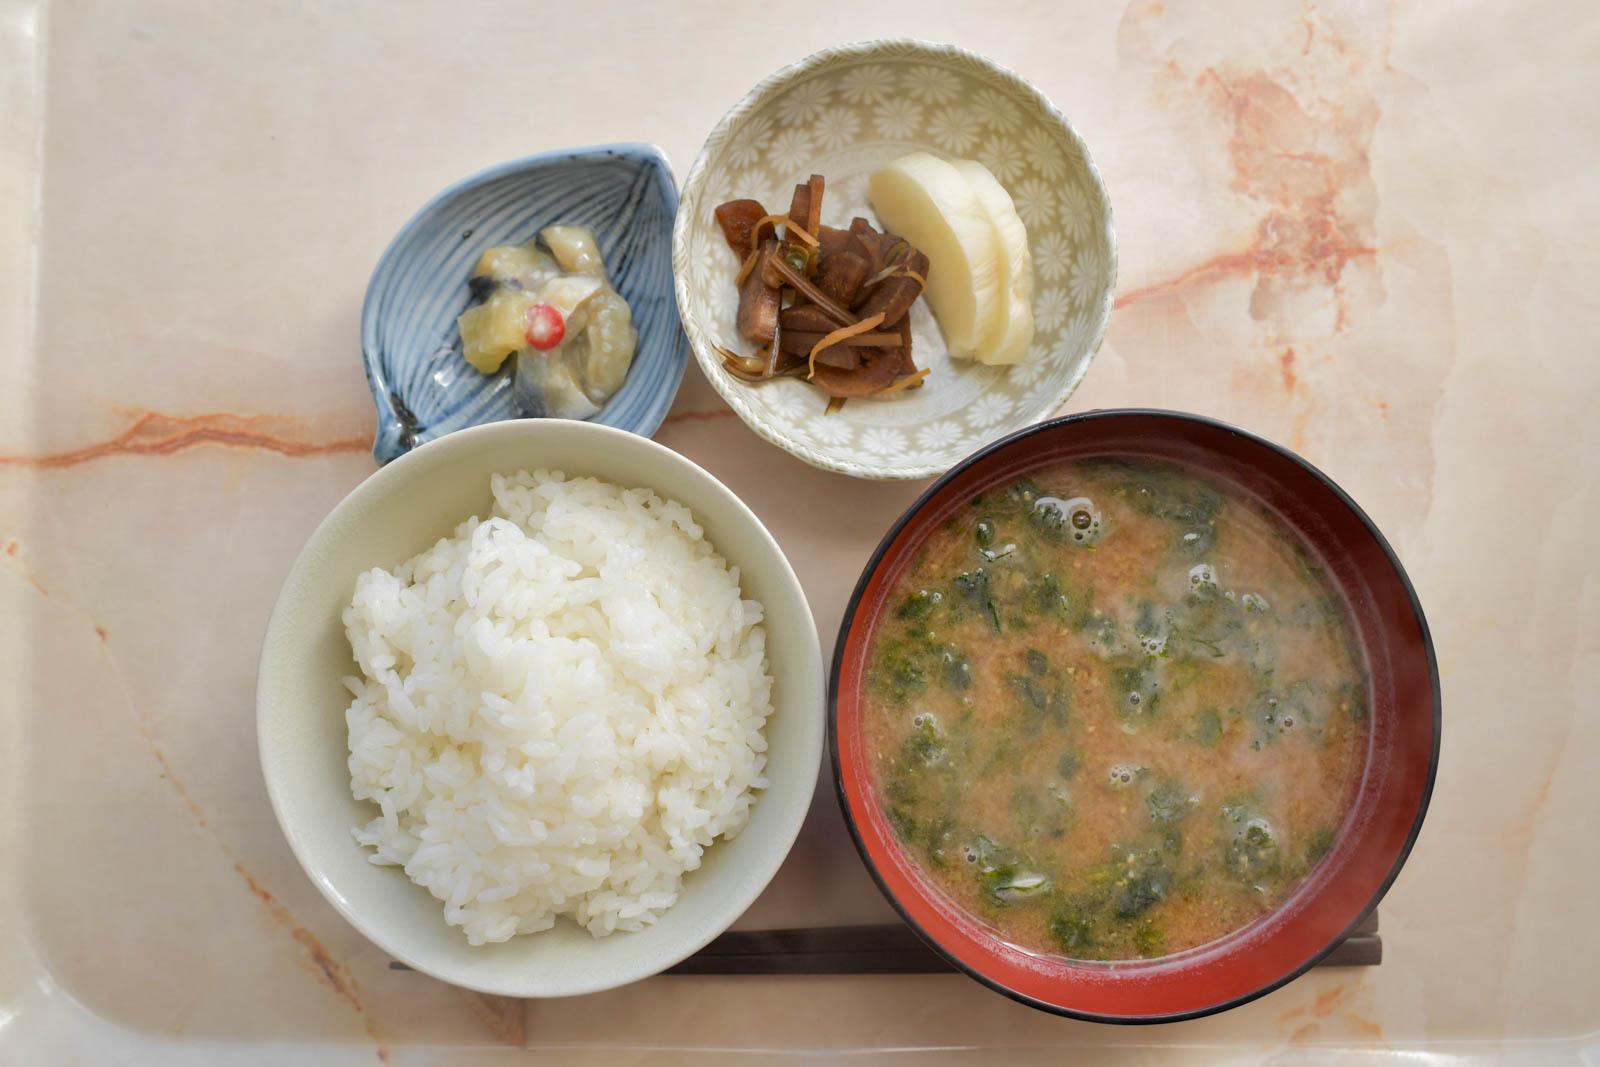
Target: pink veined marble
(1366, 231)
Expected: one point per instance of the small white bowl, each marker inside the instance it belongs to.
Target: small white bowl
(843, 113)
(300, 705)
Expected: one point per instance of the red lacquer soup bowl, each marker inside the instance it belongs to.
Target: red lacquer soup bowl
(1391, 795)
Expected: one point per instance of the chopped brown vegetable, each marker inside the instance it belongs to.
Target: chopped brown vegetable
(839, 355)
(808, 317)
(828, 305)
(834, 240)
(799, 342)
(840, 276)
(907, 365)
(800, 207)
(894, 294)
(738, 221)
(814, 203)
(871, 242)
(832, 308)
(844, 333)
(758, 301)
(750, 262)
(876, 373)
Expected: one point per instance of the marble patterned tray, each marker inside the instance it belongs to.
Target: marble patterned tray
(1348, 229)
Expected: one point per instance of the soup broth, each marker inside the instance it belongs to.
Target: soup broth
(1115, 710)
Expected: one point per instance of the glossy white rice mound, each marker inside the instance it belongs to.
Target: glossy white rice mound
(559, 708)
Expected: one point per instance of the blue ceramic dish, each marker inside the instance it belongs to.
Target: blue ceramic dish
(422, 385)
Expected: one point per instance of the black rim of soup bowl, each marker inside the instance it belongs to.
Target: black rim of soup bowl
(1104, 415)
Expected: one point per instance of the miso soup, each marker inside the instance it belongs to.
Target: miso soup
(1115, 709)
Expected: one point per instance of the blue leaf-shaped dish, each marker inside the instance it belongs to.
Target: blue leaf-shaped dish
(422, 385)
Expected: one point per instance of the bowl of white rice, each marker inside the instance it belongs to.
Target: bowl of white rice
(541, 708)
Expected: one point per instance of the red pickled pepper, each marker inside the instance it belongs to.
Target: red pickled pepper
(545, 328)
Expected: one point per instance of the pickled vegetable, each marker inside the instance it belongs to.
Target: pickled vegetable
(549, 304)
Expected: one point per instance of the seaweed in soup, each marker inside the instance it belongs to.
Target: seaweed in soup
(1121, 745)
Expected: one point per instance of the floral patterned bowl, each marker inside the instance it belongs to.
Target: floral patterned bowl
(843, 113)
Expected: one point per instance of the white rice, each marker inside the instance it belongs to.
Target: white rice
(560, 708)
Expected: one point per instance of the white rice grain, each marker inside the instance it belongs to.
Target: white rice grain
(561, 707)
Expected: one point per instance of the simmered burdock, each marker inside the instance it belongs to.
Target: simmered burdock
(830, 306)
(759, 301)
